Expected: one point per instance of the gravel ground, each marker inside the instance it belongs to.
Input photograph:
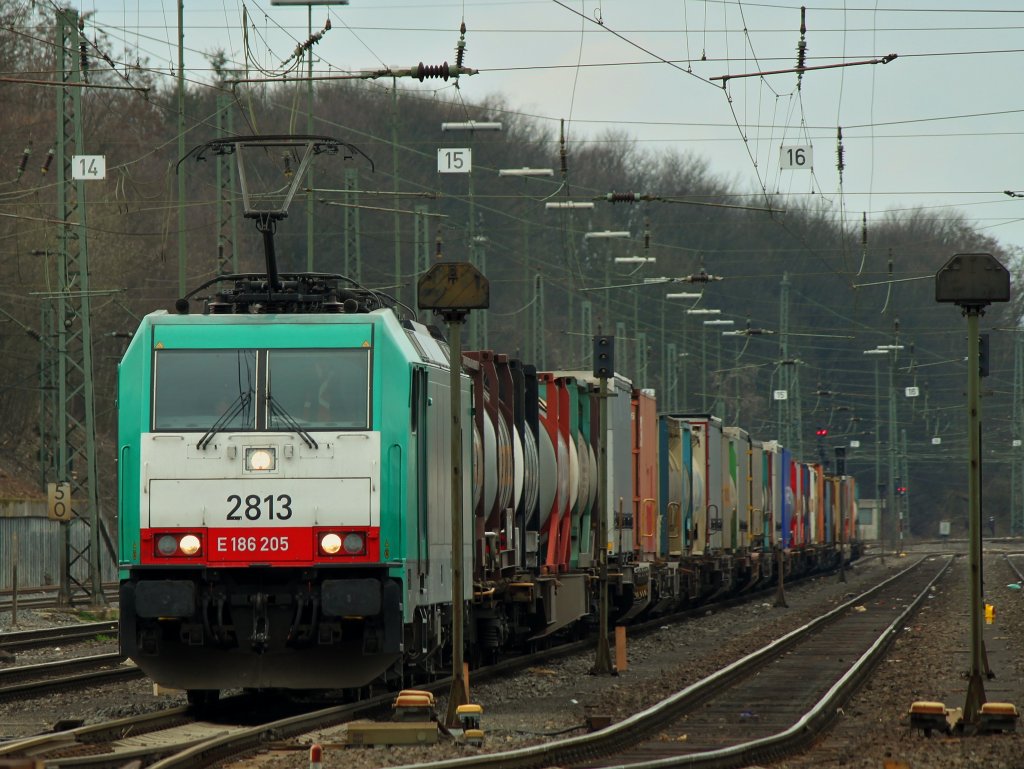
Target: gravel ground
(929, 662)
(526, 708)
(535, 705)
(44, 618)
(40, 714)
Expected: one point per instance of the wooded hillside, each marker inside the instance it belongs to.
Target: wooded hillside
(845, 295)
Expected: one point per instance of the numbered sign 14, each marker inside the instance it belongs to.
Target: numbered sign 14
(88, 167)
(796, 157)
(454, 160)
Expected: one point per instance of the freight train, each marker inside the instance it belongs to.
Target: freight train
(285, 487)
(285, 515)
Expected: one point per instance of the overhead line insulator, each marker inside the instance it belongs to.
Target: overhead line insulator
(624, 197)
(83, 51)
(460, 47)
(426, 71)
(563, 153)
(25, 155)
(47, 162)
(801, 47)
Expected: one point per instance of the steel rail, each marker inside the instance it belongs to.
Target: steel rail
(250, 739)
(93, 733)
(59, 666)
(47, 597)
(636, 728)
(98, 669)
(25, 639)
(241, 740)
(574, 749)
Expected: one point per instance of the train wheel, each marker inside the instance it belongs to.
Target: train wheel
(203, 697)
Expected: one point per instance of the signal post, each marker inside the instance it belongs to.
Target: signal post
(973, 281)
(604, 367)
(451, 290)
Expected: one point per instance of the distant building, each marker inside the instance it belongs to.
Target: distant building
(867, 519)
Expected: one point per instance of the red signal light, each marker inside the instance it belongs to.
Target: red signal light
(822, 432)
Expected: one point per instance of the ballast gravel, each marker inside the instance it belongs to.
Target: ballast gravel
(555, 700)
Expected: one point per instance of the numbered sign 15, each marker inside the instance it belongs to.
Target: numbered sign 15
(796, 157)
(88, 167)
(454, 160)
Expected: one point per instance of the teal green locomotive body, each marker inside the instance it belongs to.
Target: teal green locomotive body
(284, 520)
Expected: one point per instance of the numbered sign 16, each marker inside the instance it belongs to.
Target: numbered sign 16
(88, 167)
(454, 160)
(796, 157)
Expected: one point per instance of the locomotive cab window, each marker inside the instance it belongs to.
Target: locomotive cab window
(237, 390)
(319, 389)
(194, 389)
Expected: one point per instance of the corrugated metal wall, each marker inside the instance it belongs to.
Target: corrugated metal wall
(39, 546)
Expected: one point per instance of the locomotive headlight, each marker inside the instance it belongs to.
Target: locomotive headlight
(167, 544)
(260, 460)
(190, 544)
(354, 543)
(330, 543)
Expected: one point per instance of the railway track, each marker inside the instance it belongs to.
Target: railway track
(24, 681)
(30, 639)
(178, 739)
(96, 744)
(47, 597)
(763, 710)
(766, 705)
(184, 737)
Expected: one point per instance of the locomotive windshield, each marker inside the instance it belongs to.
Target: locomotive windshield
(277, 390)
(195, 388)
(320, 389)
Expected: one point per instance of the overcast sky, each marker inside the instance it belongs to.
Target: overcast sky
(938, 127)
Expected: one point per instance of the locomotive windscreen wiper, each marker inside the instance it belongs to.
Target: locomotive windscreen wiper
(236, 407)
(276, 409)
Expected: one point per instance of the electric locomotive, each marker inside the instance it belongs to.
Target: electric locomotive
(279, 523)
(282, 520)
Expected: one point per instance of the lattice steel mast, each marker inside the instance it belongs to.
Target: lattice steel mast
(75, 420)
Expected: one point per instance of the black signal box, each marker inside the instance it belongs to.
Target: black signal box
(604, 357)
(972, 280)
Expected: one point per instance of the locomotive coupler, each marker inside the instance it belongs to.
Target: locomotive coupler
(260, 622)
